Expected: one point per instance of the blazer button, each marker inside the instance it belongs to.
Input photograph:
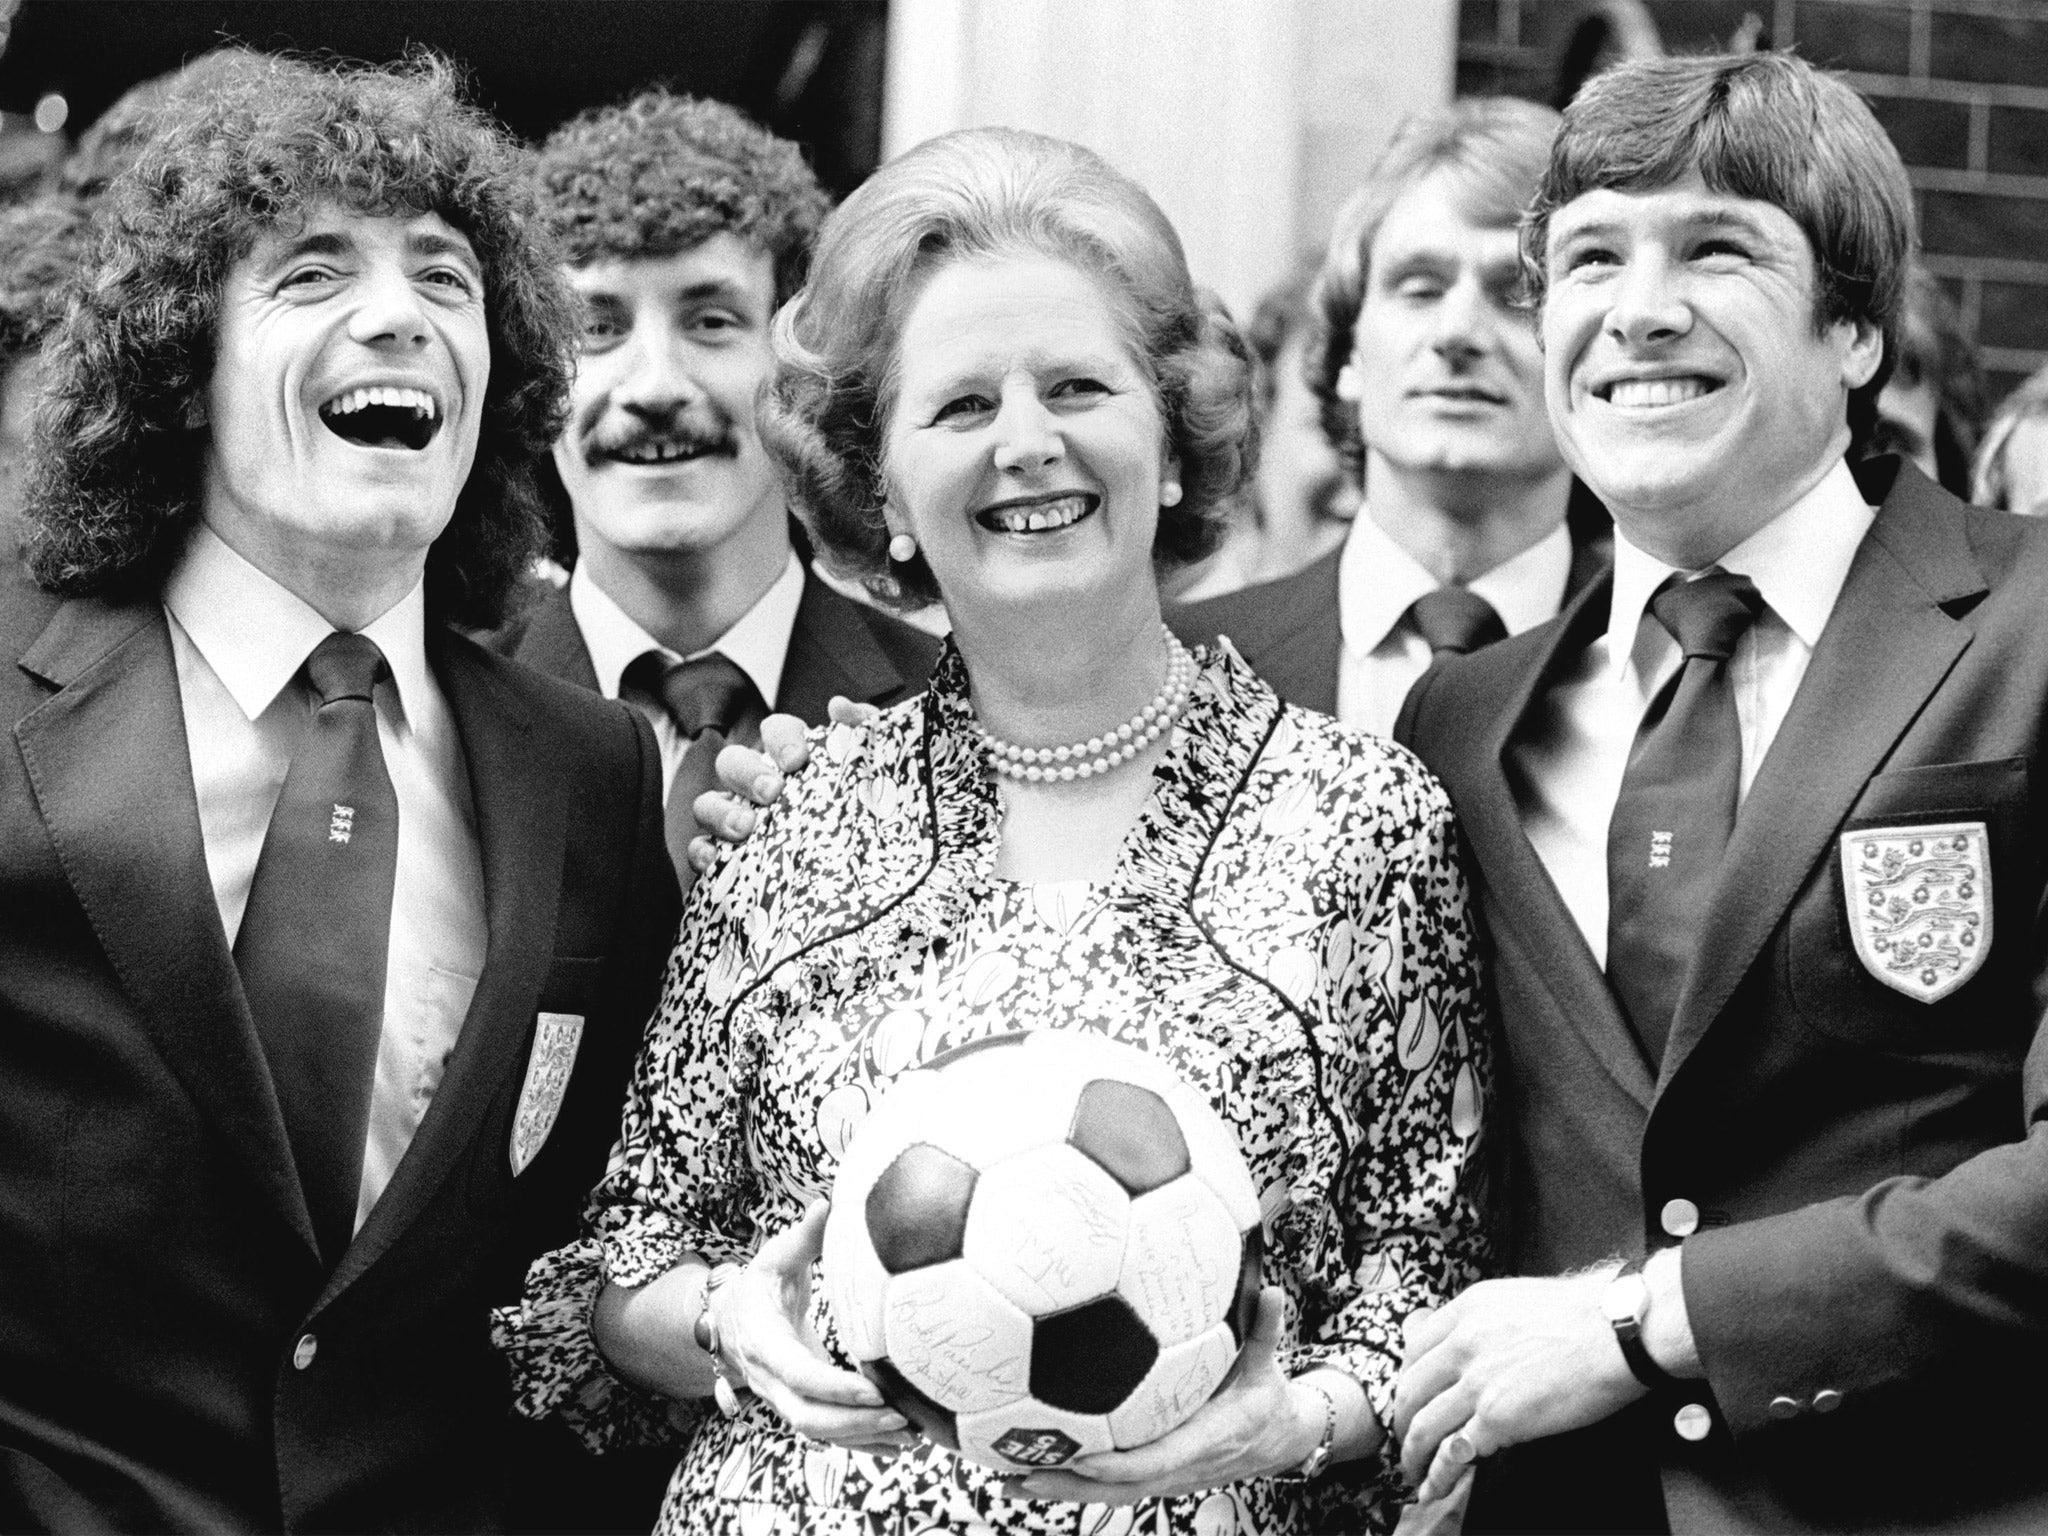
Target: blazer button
(1826, 1400)
(1679, 1218)
(305, 1350)
(1784, 1407)
(1692, 1422)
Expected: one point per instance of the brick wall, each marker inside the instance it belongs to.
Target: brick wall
(1961, 86)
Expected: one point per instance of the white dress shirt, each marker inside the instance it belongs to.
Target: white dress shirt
(1571, 763)
(1378, 582)
(239, 640)
(757, 644)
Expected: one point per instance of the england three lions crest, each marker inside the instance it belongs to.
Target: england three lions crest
(1919, 903)
(555, 1038)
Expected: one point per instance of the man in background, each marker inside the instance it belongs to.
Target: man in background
(685, 226)
(1431, 384)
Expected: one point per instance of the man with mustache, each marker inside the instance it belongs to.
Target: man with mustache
(1758, 843)
(685, 226)
(1431, 386)
(326, 935)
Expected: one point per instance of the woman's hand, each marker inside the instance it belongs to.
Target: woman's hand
(771, 1349)
(1258, 1423)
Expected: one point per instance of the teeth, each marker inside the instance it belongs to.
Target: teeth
(1063, 513)
(1649, 392)
(421, 403)
(656, 453)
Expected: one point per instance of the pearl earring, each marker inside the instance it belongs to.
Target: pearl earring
(1169, 494)
(902, 549)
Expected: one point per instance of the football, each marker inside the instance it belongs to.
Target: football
(1043, 1245)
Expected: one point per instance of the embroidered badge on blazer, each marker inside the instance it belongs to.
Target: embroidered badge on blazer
(1919, 902)
(555, 1038)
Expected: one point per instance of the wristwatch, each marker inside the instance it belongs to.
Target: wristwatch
(1626, 1302)
(1312, 1465)
(725, 1390)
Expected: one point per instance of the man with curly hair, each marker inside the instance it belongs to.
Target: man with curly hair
(685, 226)
(326, 935)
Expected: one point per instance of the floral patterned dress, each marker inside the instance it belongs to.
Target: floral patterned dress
(1286, 924)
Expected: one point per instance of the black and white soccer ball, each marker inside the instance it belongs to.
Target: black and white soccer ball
(1043, 1245)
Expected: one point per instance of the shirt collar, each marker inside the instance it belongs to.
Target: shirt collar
(758, 644)
(1378, 582)
(256, 633)
(1798, 560)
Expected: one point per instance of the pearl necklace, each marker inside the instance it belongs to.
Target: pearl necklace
(1099, 754)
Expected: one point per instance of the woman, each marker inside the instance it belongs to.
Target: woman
(1000, 390)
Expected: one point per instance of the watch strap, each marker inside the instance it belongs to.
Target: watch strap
(1629, 1335)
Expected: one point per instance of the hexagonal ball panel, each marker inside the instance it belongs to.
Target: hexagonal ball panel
(855, 1282)
(1089, 1359)
(955, 1339)
(1131, 1132)
(1183, 1378)
(917, 1209)
(995, 1103)
(1214, 1154)
(934, 1419)
(1181, 1264)
(1251, 1279)
(1030, 1436)
(1047, 1229)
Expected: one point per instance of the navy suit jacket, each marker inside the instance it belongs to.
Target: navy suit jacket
(1289, 629)
(1869, 1281)
(157, 1268)
(837, 646)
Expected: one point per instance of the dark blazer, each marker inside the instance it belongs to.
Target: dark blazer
(1289, 630)
(1869, 1169)
(837, 646)
(159, 1286)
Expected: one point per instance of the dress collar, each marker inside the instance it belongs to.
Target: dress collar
(1798, 560)
(256, 633)
(1378, 582)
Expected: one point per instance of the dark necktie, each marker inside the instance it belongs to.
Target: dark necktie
(1676, 810)
(710, 699)
(1456, 619)
(315, 935)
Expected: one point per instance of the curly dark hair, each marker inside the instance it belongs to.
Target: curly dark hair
(987, 192)
(119, 135)
(661, 173)
(41, 244)
(114, 482)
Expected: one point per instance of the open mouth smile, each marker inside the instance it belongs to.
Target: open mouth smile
(1653, 394)
(1040, 514)
(658, 451)
(384, 416)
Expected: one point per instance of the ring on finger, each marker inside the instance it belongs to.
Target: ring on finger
(1460, 1448)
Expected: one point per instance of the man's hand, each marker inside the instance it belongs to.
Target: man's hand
(1508, 1361)
(753, 780)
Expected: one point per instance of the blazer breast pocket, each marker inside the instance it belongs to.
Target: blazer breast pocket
(1913, 936)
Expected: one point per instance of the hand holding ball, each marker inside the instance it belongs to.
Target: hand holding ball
(1043, 1245)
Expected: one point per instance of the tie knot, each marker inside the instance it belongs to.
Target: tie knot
(704, 693)
(345, 666)
(1706, 617)
(1456, 619)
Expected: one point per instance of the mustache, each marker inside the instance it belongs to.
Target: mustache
(684, 437)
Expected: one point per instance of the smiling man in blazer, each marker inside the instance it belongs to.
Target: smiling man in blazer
(684, 226)
(1757, 842)
(326, 936)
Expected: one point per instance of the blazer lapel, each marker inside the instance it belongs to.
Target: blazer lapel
(832, 651)
(112, 776)
(519, 832)
(1888, 623)
(553, 643)
(1526, 911)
